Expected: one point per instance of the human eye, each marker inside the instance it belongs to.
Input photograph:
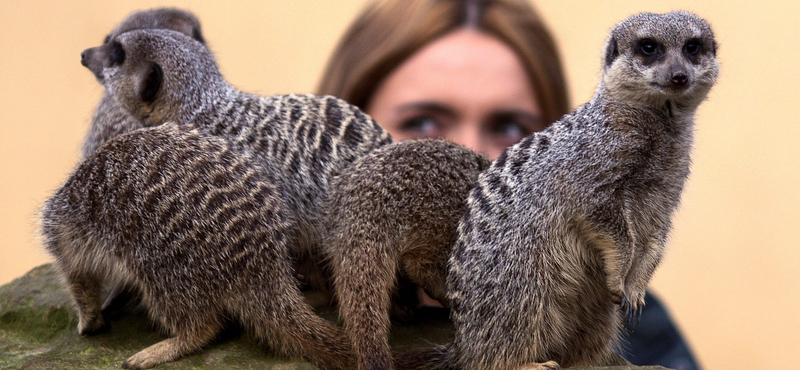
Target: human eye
(422, 126)
(507, 129)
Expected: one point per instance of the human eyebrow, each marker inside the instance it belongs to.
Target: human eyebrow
(430, 107)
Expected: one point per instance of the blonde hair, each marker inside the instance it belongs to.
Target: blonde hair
(389, 31)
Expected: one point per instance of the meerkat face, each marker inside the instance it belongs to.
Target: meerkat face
(106, 56)
(655, 58)
(156, 75)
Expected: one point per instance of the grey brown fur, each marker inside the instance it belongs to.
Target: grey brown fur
(109, 120)
(394, 211)
(200, 229)
(569, 224)
(162, 75)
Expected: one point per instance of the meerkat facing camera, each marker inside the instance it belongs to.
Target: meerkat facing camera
(567, 226)
(200, 229)
(109, 119)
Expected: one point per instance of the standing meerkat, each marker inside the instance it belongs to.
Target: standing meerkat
(109, 120)
(394, 210)
(163, 75)
(200, 229)
(569, 224)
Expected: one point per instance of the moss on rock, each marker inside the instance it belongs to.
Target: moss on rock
(38, 331)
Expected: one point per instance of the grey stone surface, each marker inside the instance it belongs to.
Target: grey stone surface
(38, 331)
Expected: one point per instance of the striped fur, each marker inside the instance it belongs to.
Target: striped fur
(200, 229)
(305, 139)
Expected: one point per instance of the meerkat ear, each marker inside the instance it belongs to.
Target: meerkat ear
(612, 50)
(151, 83)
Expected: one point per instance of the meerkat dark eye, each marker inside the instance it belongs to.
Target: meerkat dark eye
(116, 54)
(648, 47)
(692, 47)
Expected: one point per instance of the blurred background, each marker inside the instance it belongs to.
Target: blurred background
(731, 276)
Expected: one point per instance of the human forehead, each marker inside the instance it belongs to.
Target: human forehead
(465, 67)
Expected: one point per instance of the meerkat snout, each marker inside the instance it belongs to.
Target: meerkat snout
(677, 76)
(100, 57)
(89, 61)
(679, 79)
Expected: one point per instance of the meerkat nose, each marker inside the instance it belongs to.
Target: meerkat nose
(679, 79)
(83, 58)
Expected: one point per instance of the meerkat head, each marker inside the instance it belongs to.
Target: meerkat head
(160, 18)
(157, 75)
(658, 59)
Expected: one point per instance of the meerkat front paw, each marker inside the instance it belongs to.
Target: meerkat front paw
(631, 310)
(634, 297)
(549, 365)
(637, 300)
(636, 291)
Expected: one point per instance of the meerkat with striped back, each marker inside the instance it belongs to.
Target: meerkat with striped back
(163, 75)
(200, 229)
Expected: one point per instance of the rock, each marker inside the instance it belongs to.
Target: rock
(38, 331)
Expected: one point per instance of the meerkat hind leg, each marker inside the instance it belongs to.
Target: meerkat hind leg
(173, 348)
(549, 365)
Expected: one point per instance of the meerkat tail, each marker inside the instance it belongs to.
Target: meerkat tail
(278, 315)
(436, 358)
(365, 298)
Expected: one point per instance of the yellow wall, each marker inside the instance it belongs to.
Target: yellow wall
(732, 272)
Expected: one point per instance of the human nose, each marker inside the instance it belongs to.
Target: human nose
(468, 135)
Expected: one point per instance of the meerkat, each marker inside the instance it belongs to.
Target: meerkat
(562, 233)
(393, 211)
(200, 229)
(163, 75)
(109, 120)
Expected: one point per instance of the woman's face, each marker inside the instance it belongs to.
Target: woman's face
(467, 87)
